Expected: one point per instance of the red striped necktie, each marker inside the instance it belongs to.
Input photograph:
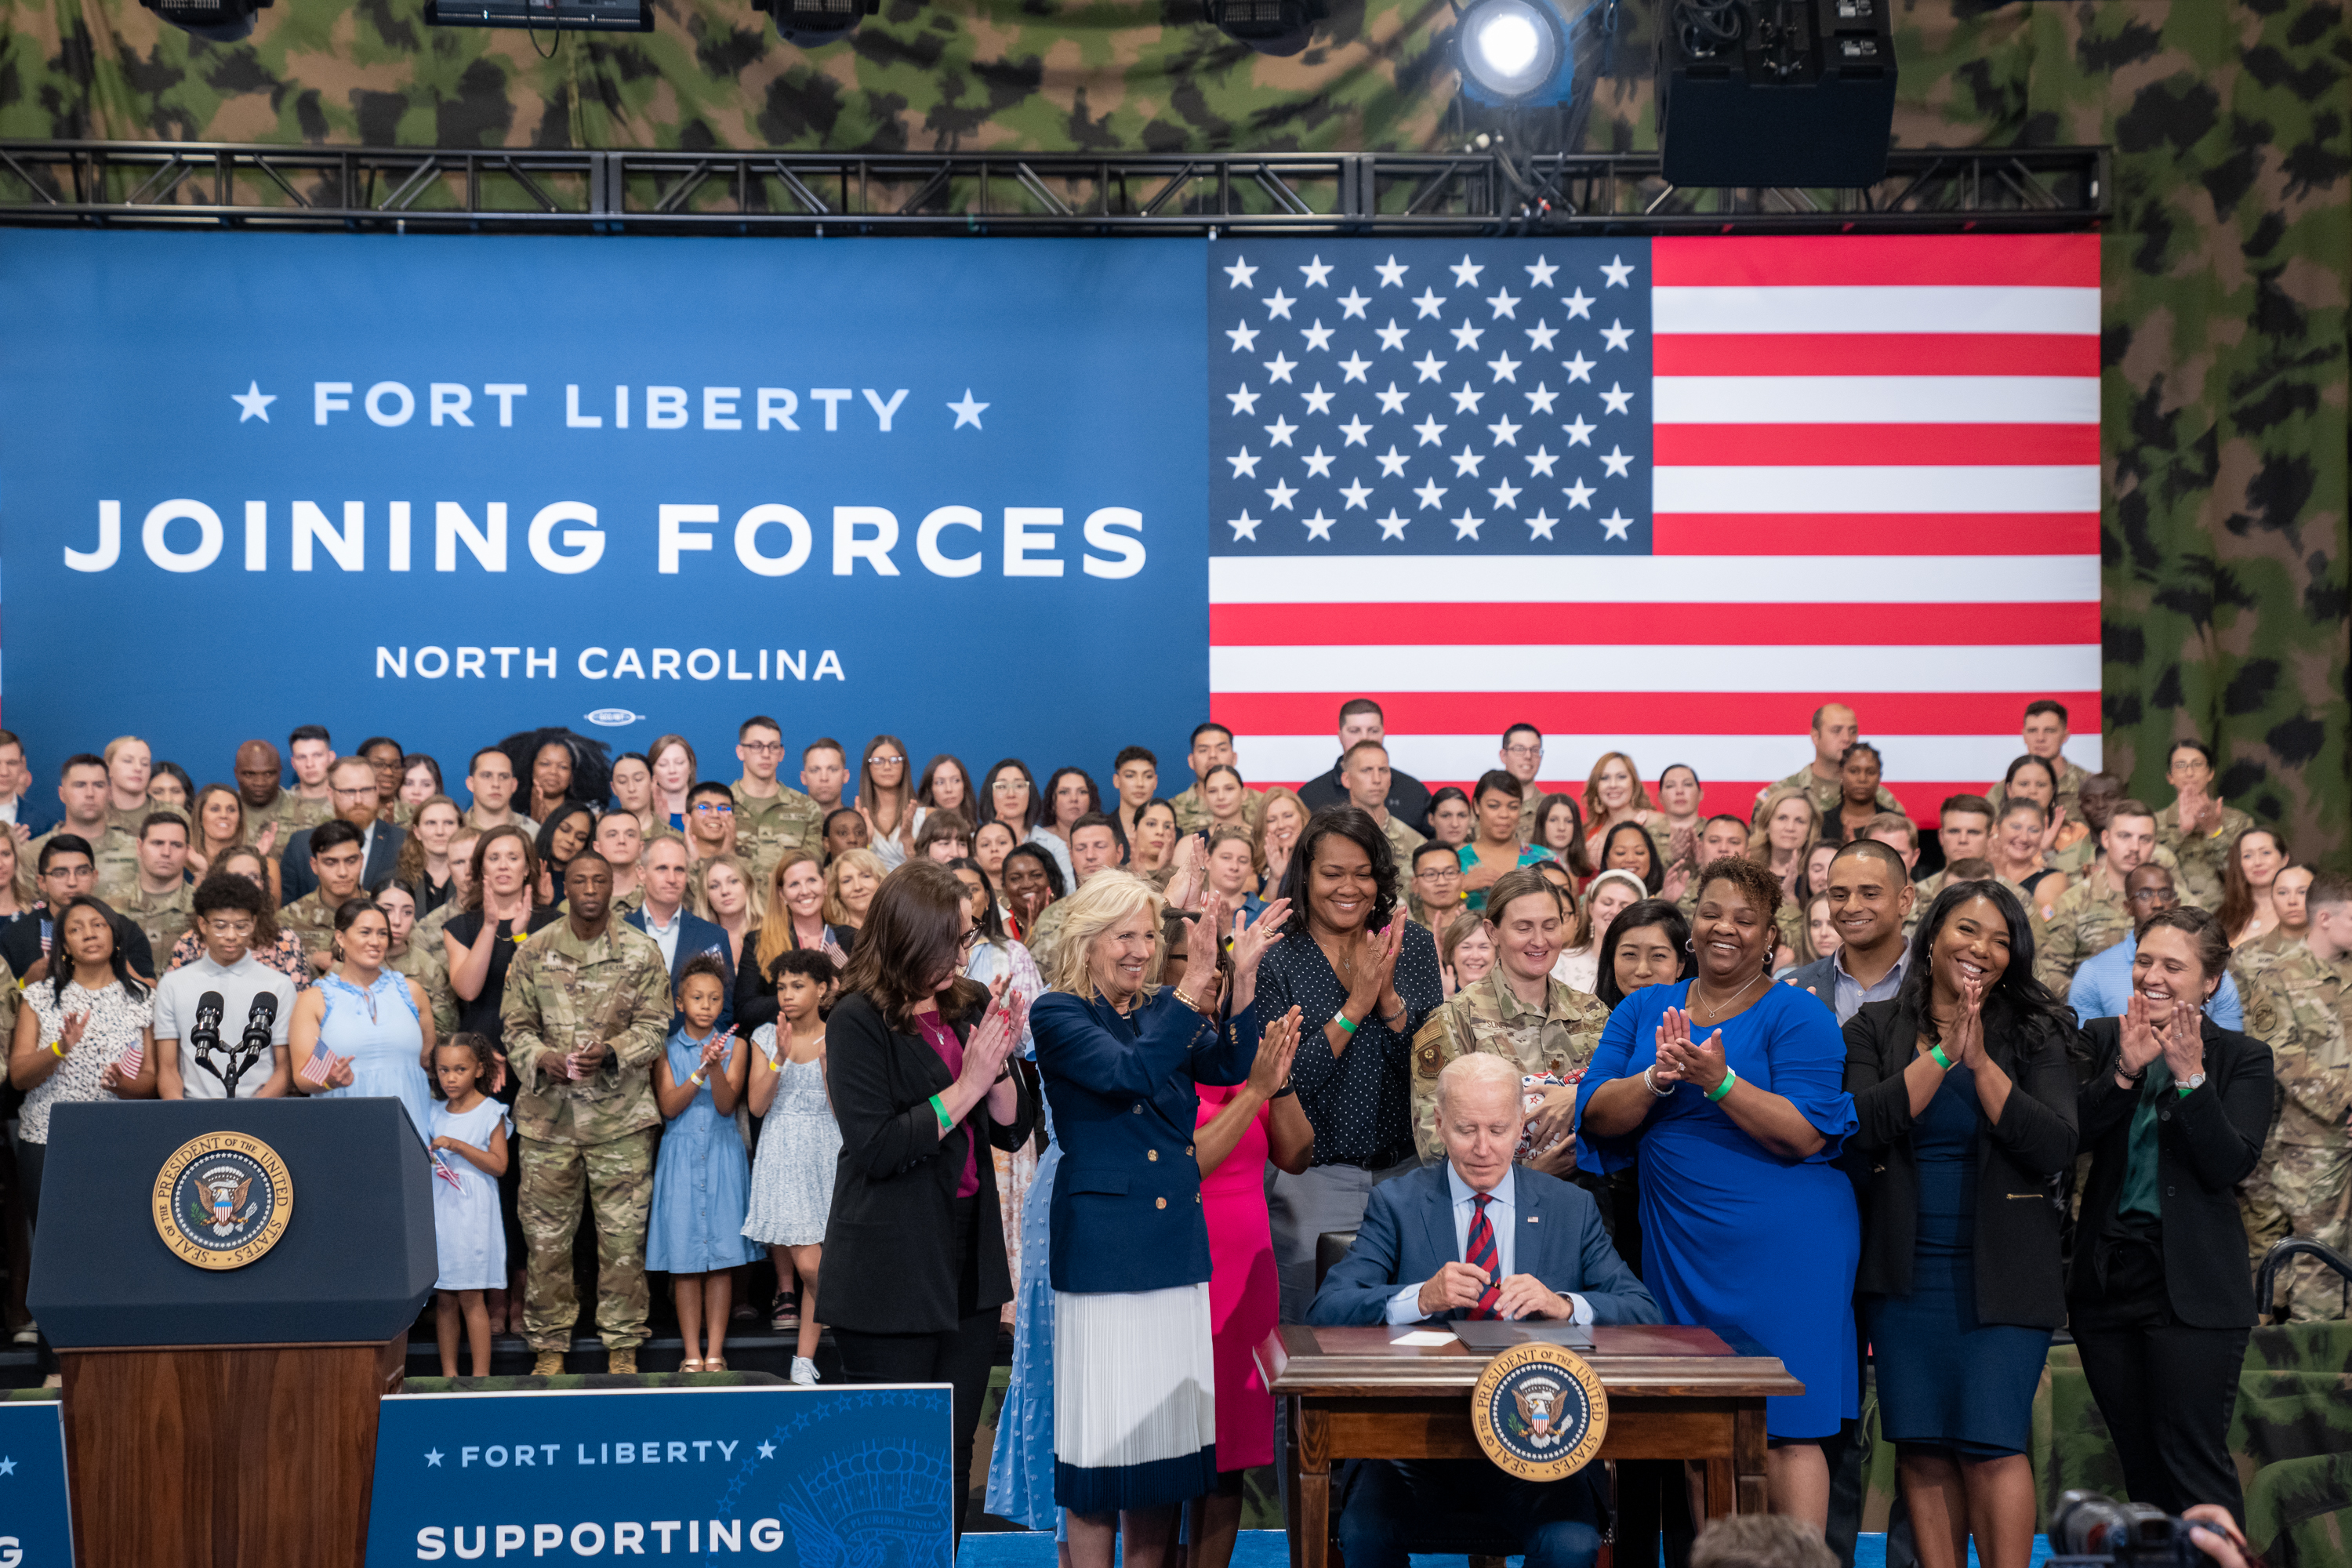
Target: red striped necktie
(1482, 1255)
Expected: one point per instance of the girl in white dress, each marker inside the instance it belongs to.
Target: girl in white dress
(791, 1182)
(469, 1144)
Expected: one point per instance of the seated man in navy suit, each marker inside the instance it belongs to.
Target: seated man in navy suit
(1477, 1237)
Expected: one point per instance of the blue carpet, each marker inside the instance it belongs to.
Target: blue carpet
(1268, 1549)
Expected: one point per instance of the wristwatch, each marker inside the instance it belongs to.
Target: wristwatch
(2191, 1082)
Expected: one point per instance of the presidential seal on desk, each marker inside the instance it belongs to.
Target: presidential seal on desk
(1540, 1411)
(223, 1200)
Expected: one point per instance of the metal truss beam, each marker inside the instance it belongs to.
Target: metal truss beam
(219, 184)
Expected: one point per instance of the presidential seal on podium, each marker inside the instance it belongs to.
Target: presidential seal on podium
(1539, 1412)
(223, 1200)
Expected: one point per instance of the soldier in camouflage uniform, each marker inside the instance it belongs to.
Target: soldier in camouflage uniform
(2044, 737)
(335, 859)
(269, 808)
(161, 901)
(113, 852)
(1213, 744)
(1558, 1037)
(2203, 841)
(2300, 1004)
(771, 819)
(2091, 916)
(1964, 827)
(586, 1009)
(1834, 729)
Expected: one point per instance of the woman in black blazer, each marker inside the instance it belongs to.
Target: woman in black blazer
(2174, 1113)
(1963, 1090)
(918, 1063)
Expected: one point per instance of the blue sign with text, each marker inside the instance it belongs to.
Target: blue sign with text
(447, 488)
(799, 1477)
(36, 1520)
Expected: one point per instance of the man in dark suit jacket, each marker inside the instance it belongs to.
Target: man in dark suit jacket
(1359, 719)
(351, 788)
(1414, 1262)
(678, 932)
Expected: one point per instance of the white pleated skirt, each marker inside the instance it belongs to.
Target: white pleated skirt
(1135, 1399)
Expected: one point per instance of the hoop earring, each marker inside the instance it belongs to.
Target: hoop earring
(1690, 944)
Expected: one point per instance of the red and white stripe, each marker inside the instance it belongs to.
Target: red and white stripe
(1876, 481)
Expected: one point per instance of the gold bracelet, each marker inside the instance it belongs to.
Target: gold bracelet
(1177, 993)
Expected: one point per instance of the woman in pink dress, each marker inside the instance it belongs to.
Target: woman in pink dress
(1240, 1129)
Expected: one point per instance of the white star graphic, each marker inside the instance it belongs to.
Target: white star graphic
(432, 1457)
(1244, 337)
(1466, 336)
(1318, 464)
(1615, 526)
(1540, 525)
(1579, 494)
(1353, 368)
(1505, 303)
(767, 1450)
(1241, 272)
(1318, 526)
(1245, 526)
(1392, 336)
(1504, 493)
(1244, 401)
(1540, 337)
(1392, 525)
(1618, 270)
(1391, 400)
(1281, 431)
(1506, 433)
(1467, 462)
(1318, 336)
(1619, 462)
(1430, 430)
(254, 401)
(1540, 400)
(1539, 275)
(1279, 367)
(1505, 368)
(1539, 462)
(1429, 366)
(1358, 494)
(1353, 303)
(1465, 398)
(1392, 272)
(1392, 462)
(1244, 464)
(1465, 526)
(966, 412)
(1431, 493)
(1619, 335)
(1465, 272)
(1580, 431)
(1580, 368)
(1278, 304)
(1579, 303)
(1429, 302)
(1318, 273)
(1318, 401)
(1355, 430)
(1280, 495)
(1616, 400)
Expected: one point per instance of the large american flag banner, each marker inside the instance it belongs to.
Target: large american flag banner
(1661, 496)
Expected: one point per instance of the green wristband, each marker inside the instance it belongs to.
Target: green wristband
(1937, 1053)
(1729, 1078)
(946, 1122)
(1345, 1027)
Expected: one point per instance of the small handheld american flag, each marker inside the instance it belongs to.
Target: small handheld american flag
(316, 1070)
(127, 1066)
(447, 1172)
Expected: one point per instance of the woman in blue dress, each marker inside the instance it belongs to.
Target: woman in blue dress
(364, 1030)
(1963, 1084)
(1727, 1091)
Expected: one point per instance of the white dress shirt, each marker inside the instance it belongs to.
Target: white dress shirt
(666, 937)
(1501, 1213)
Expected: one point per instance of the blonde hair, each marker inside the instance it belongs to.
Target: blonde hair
(1760, 838)
(1257, 833)
(835, 911)
(776, 935)
(754, 900)
(117, 745)
(1106, 901)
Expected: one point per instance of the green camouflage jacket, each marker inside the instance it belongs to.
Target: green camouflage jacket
(2200, 856)
(2299, 1007)
(2089, 918)
(767, 830)
(562, 993)
(114, 855)
(162, 917)
(1557, 1037)
(1825, 794)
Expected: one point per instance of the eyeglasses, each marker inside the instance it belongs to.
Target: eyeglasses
(354, 793)
(1442, 874)
(2152, 896)
(1010, 787)
(1523, 751)
(888, 758)
(969, 939)
(763, 747)
(712, 808)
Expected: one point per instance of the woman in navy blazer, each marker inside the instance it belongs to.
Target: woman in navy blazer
(1134, 1377)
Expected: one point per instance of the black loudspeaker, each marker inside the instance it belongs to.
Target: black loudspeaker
(1776, 92)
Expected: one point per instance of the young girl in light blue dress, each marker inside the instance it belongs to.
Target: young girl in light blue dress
(703, 1177)
(466, 1131)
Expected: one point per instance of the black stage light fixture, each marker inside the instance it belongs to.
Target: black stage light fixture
(222, 21)
(1268, 27)
(558, 16)
(1776, 92)
(813, 23)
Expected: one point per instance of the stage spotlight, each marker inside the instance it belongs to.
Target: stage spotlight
(1514, 54)
(222, 21)
(810, 23)
(1269, 26)
(558, 16)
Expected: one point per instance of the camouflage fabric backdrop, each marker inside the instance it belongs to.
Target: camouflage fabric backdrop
(2228, 264)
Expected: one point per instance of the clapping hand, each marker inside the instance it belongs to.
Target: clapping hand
(70, 1033)
(2183, 1042)
(2140, 1044)
(1184, 885)
(2050, 834)
(1967, 1047)
(1251, 941)
(715, 1050)
(992, 1042)
(1680, 1060)
(1277, 1050)
(1376, 962)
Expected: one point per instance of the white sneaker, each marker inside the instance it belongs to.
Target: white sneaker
(804, 1372)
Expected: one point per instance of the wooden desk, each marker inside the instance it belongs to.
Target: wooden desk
(1673, 1394)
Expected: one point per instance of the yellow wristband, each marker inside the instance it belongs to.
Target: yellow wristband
(55, 1051)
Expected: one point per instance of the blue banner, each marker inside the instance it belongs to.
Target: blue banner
(445, 488)
(36, 1521)
(799, 1477)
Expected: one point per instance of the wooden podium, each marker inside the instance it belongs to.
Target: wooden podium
(1673, 1394)
(220, 1407)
